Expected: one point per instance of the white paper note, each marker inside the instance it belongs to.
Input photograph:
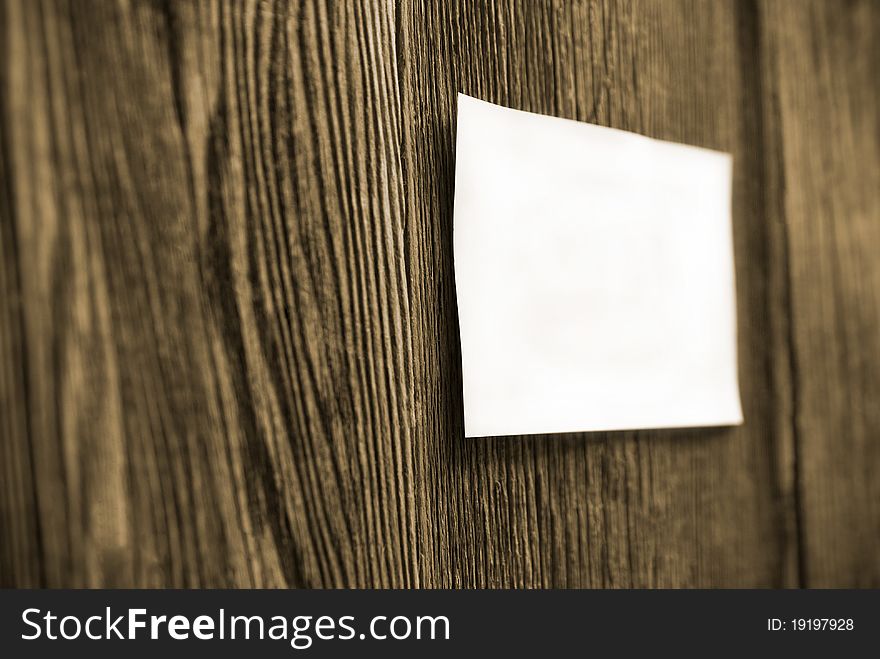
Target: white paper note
(594, 275)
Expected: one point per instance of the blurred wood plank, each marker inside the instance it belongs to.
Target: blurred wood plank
(20, 558)
(822, 62)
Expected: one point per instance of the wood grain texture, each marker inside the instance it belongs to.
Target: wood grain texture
(228, 339)
(822, 65)
(648, 509)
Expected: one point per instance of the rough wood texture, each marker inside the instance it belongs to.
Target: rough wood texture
(228, 339)
(623, 509)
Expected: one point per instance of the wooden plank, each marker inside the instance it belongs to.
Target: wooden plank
(227, 315)
(676, 508)
(821, 63)
(20, 559)
(209, 227)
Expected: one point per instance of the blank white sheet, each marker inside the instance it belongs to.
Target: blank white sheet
(595, 278)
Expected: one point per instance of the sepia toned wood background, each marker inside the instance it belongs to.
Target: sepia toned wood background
(228, 337)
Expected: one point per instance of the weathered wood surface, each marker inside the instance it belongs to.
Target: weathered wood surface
(822, 66)
(228, 339)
